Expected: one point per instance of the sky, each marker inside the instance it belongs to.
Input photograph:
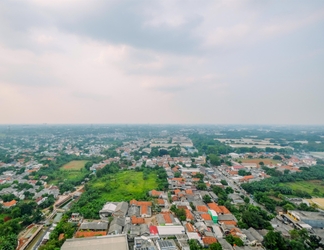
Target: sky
(165, 62)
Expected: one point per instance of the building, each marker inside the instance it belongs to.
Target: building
(213, 215)
(116, 242)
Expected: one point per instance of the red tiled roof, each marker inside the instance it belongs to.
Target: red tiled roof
(202, 208)
(154, 230)
(160, 201)
(167, 218)
(189, 191)
(224, 210)
(144, 209)
(189, 214)
(177, 191)
(228, 222)
(209, 240)
(190, 227)
(144, 203)
(215, 207)
(206, 216)
(86, 234)
(10, 203)
(156, 193)
(136, 220)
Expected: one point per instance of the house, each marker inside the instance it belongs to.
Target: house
(107, 210)
(116, 225)
(96, 227)
(9, 204)
(121, 209)
(209, 240)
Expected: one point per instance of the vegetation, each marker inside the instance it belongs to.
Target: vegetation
(113, 184)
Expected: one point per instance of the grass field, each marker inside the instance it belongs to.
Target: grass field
(74, 165)
(72, 170)
(266, 161)
(318, 201)
(307, 186)
(125, 185)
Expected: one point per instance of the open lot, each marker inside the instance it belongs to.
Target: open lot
(307, 186)
(266, 161)
(125, 185)
(318, 201)
(74, 165)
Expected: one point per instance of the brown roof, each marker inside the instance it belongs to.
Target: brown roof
(156, 193)
(190, 227)
(144, 209)
(136, 220)
(160, 201)
(215, 207)
(189, 214)
(86, 234)
(189, 191)
(167, 218)
(206, 216)
(202, 208)
(224, 210)
(10, 203)
(209, 240)
(228, 222)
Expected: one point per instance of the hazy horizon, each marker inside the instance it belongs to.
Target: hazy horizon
(162, 62)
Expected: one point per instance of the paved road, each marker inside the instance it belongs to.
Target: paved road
(236, 186)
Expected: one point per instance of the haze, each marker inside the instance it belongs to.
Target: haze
(213, 62)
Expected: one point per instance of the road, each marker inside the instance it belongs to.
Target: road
(236, 187)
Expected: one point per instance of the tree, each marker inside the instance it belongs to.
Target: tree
(206, 198)
(215, 246)
(234, 240)
(224, 182)
(214, 160)
(277, 158)
(274, 241)
(194, 245)
(261, 163)
(246, 200)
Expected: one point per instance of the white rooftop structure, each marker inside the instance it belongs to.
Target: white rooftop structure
(170, 230)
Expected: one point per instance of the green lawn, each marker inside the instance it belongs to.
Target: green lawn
(307, 186)
(73, 170)
(125, 185)
(73, 165)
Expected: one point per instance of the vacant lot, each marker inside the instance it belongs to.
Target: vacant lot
(307, 186)
(74, 165)
(266, 161)
(318, 201)
(125, 185)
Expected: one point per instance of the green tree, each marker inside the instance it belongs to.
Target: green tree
(215, 246)
(206, 198)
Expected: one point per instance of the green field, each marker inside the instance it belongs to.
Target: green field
(73, 165)
(125, 185)
(307, 186)
(73, 170)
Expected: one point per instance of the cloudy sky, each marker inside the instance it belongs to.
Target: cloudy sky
(213, 62)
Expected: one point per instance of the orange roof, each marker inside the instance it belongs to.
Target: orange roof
(233, 172)
(174, 198)
(177, 179)
(136, 220)
(61, 237)
(10, 203)
(195, 179)
(143, 209)
(177, 191)
(156, 193)
(209, 240)
(167, 218)
(89, 234)
(235, 231)
(144, 203)
(202, 208)
(224, 210)
(160, 201)
(215, 207)
(133, 202)
(228, 222)
(189, 214)
(206, 216)
(189, 191)
(190, 227)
